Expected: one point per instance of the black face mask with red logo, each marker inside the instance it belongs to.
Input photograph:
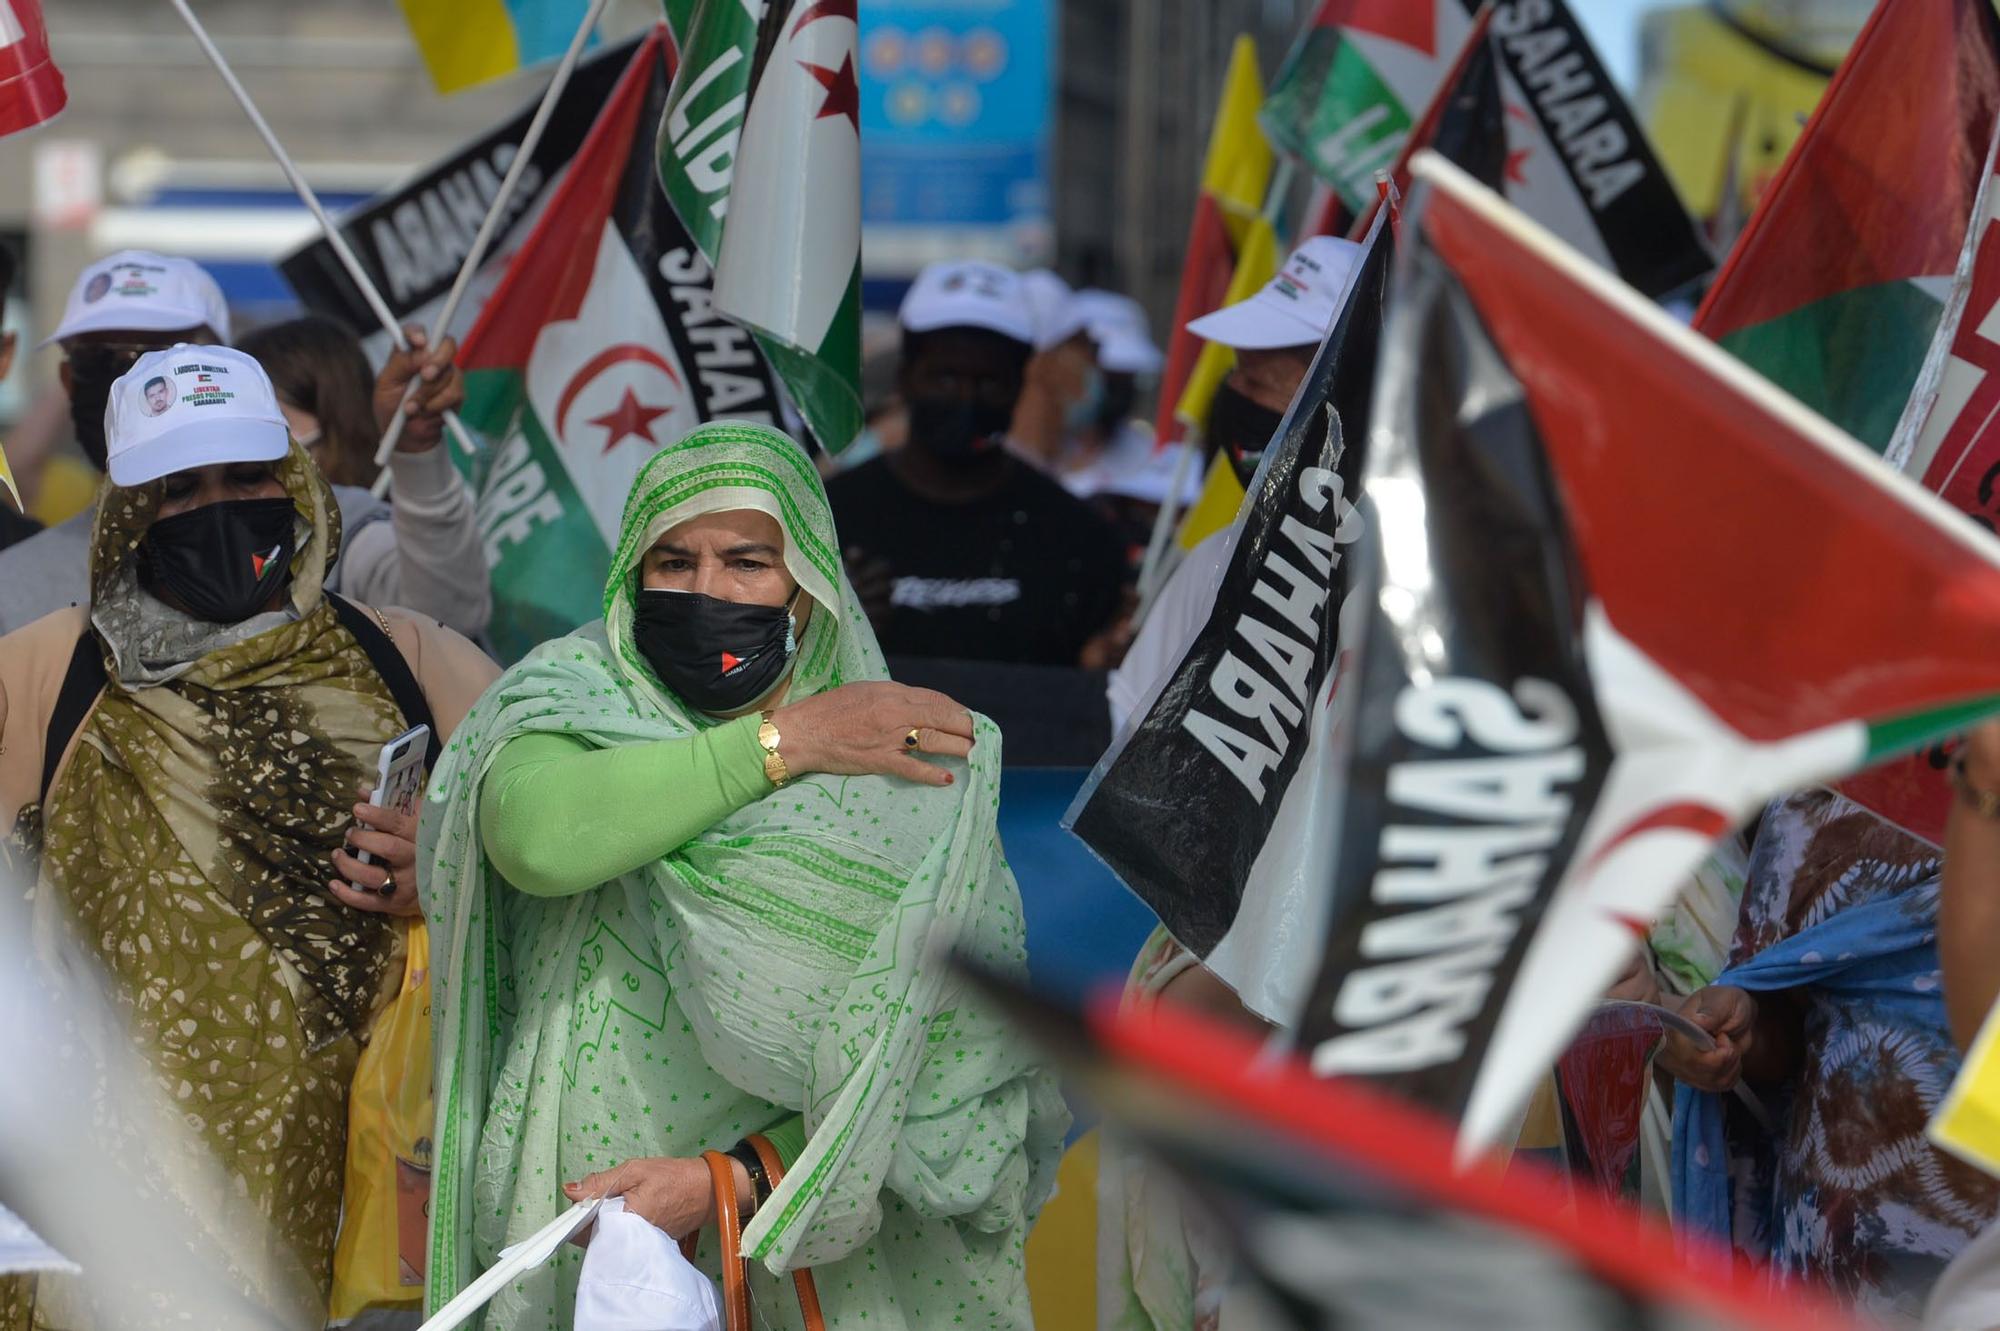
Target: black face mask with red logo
(221, 562)
(716, 656)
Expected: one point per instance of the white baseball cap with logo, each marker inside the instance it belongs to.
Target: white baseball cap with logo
(144, 292)
(191, 406)
(967, 293)
(1294, 308)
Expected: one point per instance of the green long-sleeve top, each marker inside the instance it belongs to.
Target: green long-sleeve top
(559, 817)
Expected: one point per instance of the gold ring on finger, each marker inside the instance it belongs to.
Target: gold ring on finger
(911, 740)
(388, 888)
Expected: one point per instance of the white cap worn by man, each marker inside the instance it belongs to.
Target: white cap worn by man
(1275, 334)
(137, 291)
(1117, 325)
(1052, 304)
(969, 293)
(133, 303)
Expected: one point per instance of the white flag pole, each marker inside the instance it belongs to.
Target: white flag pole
(476, 256)
(1153, 571)
(376, 304)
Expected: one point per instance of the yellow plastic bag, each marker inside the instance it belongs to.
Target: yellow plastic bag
(1968, 1122)
(385, 1220)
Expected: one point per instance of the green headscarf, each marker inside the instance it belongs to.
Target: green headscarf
(802, 942)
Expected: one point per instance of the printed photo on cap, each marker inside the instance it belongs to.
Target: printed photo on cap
(98, 287)
(160, 395)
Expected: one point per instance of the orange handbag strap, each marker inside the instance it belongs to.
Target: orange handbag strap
(729, 1233)
(802, 1279)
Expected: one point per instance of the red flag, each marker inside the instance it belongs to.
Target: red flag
(1833, 290)
(31, 87)
(1949, 439)
(1530, 544)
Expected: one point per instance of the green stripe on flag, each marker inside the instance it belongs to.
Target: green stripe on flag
(824, 383)
(547, 554)
(1330, 108)
(1852, 357)
(1907, 734)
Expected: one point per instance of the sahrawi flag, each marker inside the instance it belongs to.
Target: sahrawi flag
(760, 152)
(1835, 288)
(412, 239)
(1346, 1208)
(1558, 697)
(1949, 441)
(601, 345)
(1214, 819)
(1361, 74)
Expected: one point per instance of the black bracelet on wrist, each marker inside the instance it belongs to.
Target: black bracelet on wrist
(760, 1183)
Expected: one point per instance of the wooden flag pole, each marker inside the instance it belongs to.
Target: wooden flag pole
(490, 224)
(307, 196)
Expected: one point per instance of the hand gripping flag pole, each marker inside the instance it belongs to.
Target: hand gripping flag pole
(497, 210)
(310, 199)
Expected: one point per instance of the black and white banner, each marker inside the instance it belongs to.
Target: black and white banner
(412, 240)
(1202, 806)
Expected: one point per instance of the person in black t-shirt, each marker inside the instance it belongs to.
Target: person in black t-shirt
(956, 547)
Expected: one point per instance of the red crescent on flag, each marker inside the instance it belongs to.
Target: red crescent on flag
(819, 9)
(1685, 817)
(598, 364)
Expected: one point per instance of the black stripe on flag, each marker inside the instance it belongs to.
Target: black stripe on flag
(412, 240)
(1182, 807)
(1477, 751)
(1646, 229)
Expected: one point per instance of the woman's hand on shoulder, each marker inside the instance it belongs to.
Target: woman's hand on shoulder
(864, 729)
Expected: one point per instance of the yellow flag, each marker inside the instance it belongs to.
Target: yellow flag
(1256, 264)
(1221, 496)
(7, 479)
(1237, 170)
(1968, 1122)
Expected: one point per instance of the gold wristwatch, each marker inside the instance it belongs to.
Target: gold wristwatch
(774, 762)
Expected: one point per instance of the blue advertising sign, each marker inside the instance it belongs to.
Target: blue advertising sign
(955, 112)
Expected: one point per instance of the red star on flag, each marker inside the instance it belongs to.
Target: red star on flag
(630, 418)
(843, 91)
(1513, 172)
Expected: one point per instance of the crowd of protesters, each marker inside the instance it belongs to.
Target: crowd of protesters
(198, 670)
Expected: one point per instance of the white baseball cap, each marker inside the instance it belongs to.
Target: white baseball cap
(1057, 318)
(191, 406)
(966, 293)
(1294, 308)
(145, 292)
(1117, 324)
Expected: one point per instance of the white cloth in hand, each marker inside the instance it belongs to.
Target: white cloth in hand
(635, 1279)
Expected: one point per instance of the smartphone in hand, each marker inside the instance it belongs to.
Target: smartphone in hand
(399, 775)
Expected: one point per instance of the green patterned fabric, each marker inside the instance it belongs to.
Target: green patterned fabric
(788, 960)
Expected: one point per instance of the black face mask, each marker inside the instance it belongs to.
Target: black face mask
(955, 431)
(717, 656)
(221, 562)
(1241, 428)
(89, 395)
